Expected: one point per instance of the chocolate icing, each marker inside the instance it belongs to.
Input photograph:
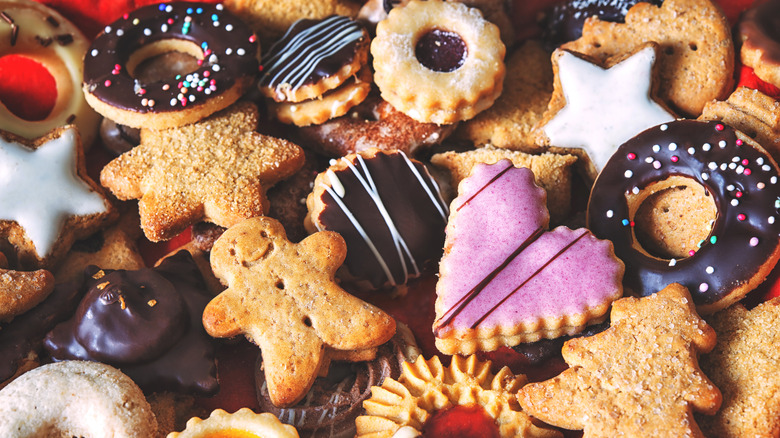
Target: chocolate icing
(441, 50)
(760, 28)
(311, 50)
(419, 220)
(145, 322)
(228, 45)
(742, 181)
(118, 139)
(564, 21)
(332, 404)
(26, 331)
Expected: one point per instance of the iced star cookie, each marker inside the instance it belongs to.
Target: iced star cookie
(505, 279)
(283, 297)
(595, 109)
(640, 377)
(744, 366)
(217, 170)
(696, 56)
(48, 200)
(408, 406)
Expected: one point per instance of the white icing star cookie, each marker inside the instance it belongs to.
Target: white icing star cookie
(596, 109)
(47, 200)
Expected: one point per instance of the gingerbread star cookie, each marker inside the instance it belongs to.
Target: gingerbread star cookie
(47, 201)
(283, 297)
(744, 365)
(638, 378)
(696, 56)
(595, 109)
(217, 170)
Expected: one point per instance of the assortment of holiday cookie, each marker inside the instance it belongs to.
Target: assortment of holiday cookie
(340, 218)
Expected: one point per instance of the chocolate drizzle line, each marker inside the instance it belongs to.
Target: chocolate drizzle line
(476, 290)
(14, 28)
(547, 263)
(498, 175)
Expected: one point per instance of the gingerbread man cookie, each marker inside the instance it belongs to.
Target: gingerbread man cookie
(640, 377)
(283, 297)
(216, 170)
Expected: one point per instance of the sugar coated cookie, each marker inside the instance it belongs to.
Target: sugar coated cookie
(696, 60)
(75, 398)
(284, 298)
(594, 109)
(33, 30)
(240, 424)
(742, 178)
(48, 200)
(145, 322)
(174, 174)
(504, 279)
(438, 61)
(743, 366)
(389, 210)
(408, 406)
(640, 377)
(226, 47)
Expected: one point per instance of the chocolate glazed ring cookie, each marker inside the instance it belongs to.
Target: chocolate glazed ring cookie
(225, 47)
(743, 245)
(334, 401)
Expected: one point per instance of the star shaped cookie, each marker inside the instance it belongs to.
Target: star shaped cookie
(595, 109)
(283, 297)
(744, 365)
(215, 170)
(47, 201)
(640, 377)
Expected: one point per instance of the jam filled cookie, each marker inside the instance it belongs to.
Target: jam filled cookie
(226, 48)
(409, 406)
(743, 245)
(242, 423)
(35, 31)
(760, 50)
(437, 61)
(388, 209)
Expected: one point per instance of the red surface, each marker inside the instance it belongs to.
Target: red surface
(29, 91)
(461, 422)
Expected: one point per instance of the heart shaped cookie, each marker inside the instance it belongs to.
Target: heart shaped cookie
(505, 279)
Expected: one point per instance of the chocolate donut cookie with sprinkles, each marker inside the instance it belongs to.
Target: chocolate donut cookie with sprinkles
(743, 245)
(224, 46)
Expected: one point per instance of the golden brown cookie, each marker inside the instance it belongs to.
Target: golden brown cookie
(751, 112)
(332, 104)
(640, 377)
(20, 291)
(696, 58)
(271, 18)
(241, 423)
(596, 107)
(552, 172)
(48, 200)
(757, 30)
(744, 366)
(283, 297)
(509, 123)
(438, 62)
(217, 170)
(426, 387)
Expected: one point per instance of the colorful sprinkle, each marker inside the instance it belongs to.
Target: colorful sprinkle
(754, 241)
(741, 217)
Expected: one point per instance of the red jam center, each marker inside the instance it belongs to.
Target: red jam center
(461, 422)
(441, 51)
(28, 89)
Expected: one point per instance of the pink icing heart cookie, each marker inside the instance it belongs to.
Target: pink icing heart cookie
(505, 279)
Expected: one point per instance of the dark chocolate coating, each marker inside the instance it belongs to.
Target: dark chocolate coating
(743, 181)
(228, 45)
(186, 364)
(118, 139)
(564, 21)
(26, 331)
(417, 219)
